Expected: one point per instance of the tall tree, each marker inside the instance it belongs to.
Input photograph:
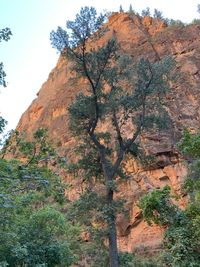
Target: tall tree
(108, 74)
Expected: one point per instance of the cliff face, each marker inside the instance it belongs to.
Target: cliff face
(152, 39)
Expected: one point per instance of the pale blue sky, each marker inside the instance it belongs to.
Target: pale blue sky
(28, 57)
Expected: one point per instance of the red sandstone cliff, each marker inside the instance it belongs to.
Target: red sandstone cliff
(149, 38)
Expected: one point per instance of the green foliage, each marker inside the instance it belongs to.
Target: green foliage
(157, 200)
(87, 165)
(174, 23)
(89, 201)
(3, 264)
(190, 144)
(126, 259)
(198, 8)
(146, 12)
(195, 22)
(85, 24)
(94, 253)
(180, 246)
(42, 237)
(83, 113)
(180, 243)
(91, 209)
(33, 230)
(131, 9)
(45, 238)
(33, 173)
(2, 75)
(93, 214)
(4, 36)
(131, 260)
(182, 238)
(121, 9)
(157, 14)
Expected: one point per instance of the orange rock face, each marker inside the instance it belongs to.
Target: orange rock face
(149, 38)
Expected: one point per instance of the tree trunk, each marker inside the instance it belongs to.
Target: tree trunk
(113, 251)
(112, 232)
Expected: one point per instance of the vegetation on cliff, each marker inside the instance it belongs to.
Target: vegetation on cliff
(182, 236)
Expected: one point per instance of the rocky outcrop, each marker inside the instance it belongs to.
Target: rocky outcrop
(140, 37)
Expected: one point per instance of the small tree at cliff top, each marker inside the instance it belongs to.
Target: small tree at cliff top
(131, 9)
(157, 14)
(146, 12)
(122, 93)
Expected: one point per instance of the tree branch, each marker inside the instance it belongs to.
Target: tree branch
(117, 128)
(101, 71)
(142, 116)
(32, 158)
(118, 161)
(95, 86)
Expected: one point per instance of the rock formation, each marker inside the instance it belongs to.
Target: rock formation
(140, 37)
